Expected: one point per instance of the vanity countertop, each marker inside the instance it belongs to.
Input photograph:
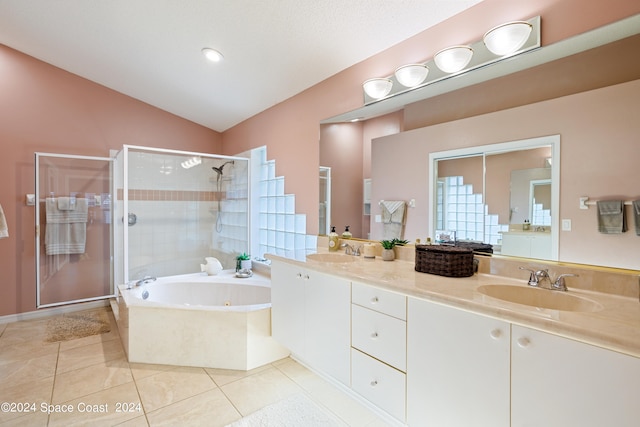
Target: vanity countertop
(616, 326)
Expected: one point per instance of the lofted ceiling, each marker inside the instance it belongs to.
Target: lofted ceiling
(273, 49)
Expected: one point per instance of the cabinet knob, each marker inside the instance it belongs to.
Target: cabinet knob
(523, 342)
(299, 275)
(374, 383)
(496, 334)
(374, 300)
(306, 277)
(374, 335)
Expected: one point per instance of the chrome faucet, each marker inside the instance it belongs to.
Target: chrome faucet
(559, 284)
(537, 278)
(533, 278)
(145, 280)
(350, 250)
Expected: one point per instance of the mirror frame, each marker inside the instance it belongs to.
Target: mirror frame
(482, 150)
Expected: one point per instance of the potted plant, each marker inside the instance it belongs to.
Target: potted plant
(388, 253)
(243, 262)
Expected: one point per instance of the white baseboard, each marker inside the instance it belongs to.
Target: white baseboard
(53, 311)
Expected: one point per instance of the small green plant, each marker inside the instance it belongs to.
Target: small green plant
(243, 257)
(390, 244)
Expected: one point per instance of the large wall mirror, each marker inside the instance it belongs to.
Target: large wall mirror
(505, 194)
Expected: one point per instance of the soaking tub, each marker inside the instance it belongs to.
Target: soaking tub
(216, 321)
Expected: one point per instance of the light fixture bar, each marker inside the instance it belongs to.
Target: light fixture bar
(481, 56)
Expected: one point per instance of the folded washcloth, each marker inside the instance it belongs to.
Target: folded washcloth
(636, 215)
(611, 217)
(66, 203)
(4, 230)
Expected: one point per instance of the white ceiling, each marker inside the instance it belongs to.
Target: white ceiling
(274, 49)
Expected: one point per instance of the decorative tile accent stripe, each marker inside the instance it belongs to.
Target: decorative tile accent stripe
(173, 195)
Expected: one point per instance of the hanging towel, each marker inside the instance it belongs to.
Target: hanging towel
(66, 230)
(636, 215)
(66, 203)
(4, 230)
(393, 215)
(611, 217)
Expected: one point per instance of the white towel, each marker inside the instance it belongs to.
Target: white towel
(4, 230)
(393, 215)
(66, 231)
(66, 203)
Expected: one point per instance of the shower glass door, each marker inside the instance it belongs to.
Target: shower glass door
(74, 235)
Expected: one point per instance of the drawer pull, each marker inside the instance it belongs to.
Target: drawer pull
(299, 275)
(374, 383)
(374, 335)
(306, 277)
(374, 300)
(523, 342)
(496, 334)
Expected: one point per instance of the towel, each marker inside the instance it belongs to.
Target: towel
(636, 215)
(611, 217)
(66, 203)
(66, 230)
(4, 230)
(393, 215)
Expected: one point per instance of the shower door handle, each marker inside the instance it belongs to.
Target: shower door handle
(132, 219)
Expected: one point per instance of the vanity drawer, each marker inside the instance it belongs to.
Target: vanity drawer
(381, 336)
(379, 300)
(379, 383)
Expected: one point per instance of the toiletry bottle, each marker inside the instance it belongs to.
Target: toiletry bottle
(346, 234)
(333, 240)
(527, 225)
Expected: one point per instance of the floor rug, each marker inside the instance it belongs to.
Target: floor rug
(77, 325)
(295, 411)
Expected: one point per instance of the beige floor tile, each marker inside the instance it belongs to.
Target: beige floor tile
(35, 419)
(108, 408)
(21, 371)
(257, 391)
(80, 382)
(144, 370)
(298, 373)
(172, 386)
(2, 328)
(89, 355)
(209, 409)
(22, 332)
(226, 376)
(135, 422)
(26, 350)
(33, 392)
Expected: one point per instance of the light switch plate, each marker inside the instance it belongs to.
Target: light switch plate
(566, 225)
(378, 218)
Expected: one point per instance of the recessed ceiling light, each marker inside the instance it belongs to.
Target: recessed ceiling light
(212, 54)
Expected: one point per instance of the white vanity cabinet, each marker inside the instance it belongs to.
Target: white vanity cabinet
(379, 341)
(311, 316)
(558, 382)
(457, 367)
(528, 245)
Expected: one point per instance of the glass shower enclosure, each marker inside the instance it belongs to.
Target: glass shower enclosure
(175, 208)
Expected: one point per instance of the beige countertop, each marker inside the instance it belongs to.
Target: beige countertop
(616, 326)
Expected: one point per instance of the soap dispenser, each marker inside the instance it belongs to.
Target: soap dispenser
(347, 234)
(333, 240)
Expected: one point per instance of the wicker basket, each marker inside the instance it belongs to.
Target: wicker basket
(449, 261)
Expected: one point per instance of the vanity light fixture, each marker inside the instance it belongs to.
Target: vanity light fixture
(377, 88)
(411, 75)
(453, 59)
(507, 38)
(212, 54)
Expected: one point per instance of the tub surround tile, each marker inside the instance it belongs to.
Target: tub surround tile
(81, 382)
(211, 408)
(168, 387)
(257, 391)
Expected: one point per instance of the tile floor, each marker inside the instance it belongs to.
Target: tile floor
(93, 377)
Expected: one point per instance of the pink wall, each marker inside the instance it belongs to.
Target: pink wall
(45, 109)
(290, 129)
(599, 158)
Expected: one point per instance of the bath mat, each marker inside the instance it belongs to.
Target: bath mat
(77, 325)
(295, 411)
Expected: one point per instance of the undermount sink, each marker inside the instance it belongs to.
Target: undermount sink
(331, 258)
(541, 298)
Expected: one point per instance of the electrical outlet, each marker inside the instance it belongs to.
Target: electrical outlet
(566, 225)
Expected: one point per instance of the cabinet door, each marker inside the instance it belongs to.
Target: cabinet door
(287, 306)
(541, 246)
(516, 245)
(558, 382)
(328, 325)
(457, 367)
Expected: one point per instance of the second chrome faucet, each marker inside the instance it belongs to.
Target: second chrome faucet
(538, 278)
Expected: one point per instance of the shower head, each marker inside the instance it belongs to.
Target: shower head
(218, 169)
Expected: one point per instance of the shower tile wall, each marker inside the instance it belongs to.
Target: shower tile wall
(176, 212)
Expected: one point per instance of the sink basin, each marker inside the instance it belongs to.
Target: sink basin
(541, 298)
(331, 258)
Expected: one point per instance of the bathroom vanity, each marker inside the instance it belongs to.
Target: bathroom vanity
(425, 350)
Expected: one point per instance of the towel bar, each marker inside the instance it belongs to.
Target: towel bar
(585, 203)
